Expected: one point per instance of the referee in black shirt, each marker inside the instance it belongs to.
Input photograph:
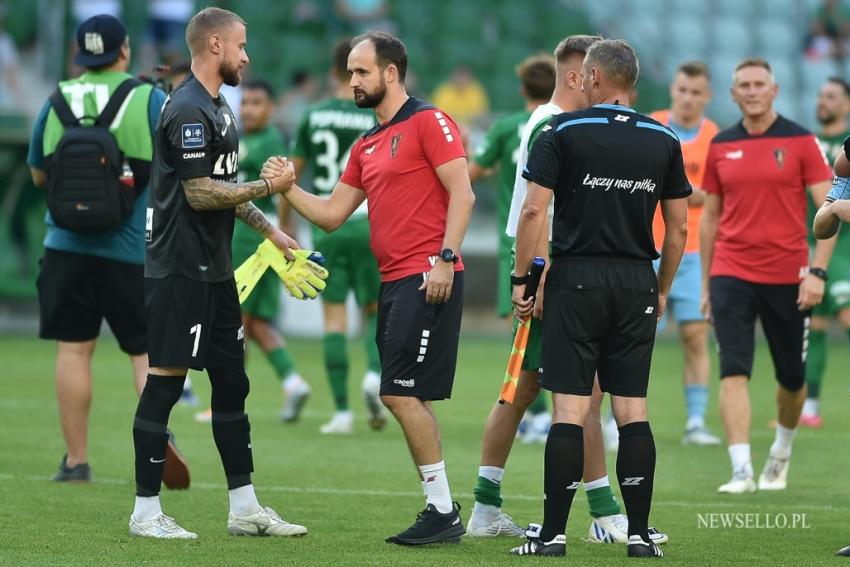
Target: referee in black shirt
(608, 167)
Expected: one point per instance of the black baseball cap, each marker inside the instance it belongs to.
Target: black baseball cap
(99, 39)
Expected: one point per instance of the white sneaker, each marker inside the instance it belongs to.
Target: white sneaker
(775, 474)
(739, 484)
(342, 423)
(160, 526)
(611, 434)
(296, 390)
(490, 521)
(266, 522)
(371, 388)
(609, 529)
(700, 436)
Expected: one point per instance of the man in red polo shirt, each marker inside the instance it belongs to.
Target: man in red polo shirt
(411, 169)
(755, 263)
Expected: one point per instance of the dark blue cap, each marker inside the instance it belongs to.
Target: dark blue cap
(99, 39)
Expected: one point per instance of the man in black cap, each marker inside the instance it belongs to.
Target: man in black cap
(95, 273)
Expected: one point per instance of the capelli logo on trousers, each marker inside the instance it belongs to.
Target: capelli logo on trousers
(404, 383)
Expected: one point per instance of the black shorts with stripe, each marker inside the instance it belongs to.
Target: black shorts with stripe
(418, 341)
(599, 316)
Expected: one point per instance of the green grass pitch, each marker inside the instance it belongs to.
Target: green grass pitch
(352, 492)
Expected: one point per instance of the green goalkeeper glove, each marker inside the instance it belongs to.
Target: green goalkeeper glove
(302, 277)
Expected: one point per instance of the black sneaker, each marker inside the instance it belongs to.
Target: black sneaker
(533, 545)
(432, 527)
(637, 547)
(79, 473)
(844, 552)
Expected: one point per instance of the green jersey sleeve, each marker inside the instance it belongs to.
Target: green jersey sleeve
(537, 130)
(488, 153)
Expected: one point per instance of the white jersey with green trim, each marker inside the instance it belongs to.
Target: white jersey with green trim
(542, 112)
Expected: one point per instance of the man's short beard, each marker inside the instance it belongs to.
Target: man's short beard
(827, 119)
(230, 75)
(372, 100)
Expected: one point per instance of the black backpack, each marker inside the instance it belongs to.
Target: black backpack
(84, 188)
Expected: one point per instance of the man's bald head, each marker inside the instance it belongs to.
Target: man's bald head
(206, 23)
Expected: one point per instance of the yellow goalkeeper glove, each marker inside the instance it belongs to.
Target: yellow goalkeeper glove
(248, 274)
(302, 277)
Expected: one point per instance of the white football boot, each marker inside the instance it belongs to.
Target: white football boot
(342, 423)
(266, 522)
(160, 526)
(490, 521)
(296, 391)
(775, 474)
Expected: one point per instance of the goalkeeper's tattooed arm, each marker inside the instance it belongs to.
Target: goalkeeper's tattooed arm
(254, 217)
(206, 194)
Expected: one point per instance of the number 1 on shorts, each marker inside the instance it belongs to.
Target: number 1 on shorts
(196, 330)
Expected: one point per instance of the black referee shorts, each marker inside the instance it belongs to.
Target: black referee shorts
(194, 324)
(417, 341)
(735, 305)
(599, 315)
(76, 292)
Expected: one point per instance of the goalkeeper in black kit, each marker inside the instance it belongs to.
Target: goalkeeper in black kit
(194, 319)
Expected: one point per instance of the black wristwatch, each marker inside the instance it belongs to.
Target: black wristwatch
(819, 273)
(518, 280)
(448, 255)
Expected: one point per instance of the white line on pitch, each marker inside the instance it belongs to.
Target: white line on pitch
(410, 494)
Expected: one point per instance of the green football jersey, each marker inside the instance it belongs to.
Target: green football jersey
(254, 149)
(501, 147)
(831, 146)
(324, 138)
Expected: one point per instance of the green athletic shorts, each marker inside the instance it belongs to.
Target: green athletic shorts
(351, 263)
(504, 307)
(264, 301)
(836, 296)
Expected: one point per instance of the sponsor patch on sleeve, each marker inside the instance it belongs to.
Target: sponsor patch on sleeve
(193, 135)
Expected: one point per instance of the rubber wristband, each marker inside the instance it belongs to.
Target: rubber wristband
(819, 273)
(268, 187)
(519, 280)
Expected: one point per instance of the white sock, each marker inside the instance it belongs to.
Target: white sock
(146, 508)
(739, 453)
(436, 485)
(493, 474)
(598, 483)
(781, 447)
(811, 407)
(243, 500)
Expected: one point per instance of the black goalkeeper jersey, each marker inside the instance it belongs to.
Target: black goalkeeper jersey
(196, 136)
(608, 167)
